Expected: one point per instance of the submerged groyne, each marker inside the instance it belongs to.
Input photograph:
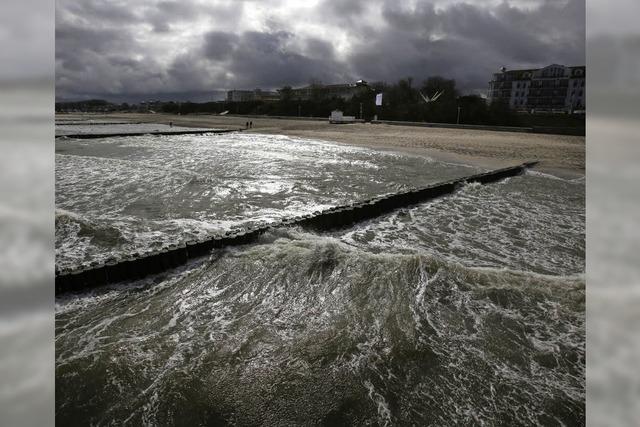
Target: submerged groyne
(83, 123)
(168, 132)
(140, 265)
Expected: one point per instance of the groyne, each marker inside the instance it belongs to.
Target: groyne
(140, 265)
(121, 134)
(81, 123)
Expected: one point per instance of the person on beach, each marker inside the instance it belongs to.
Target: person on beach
(251, 124)
(246, 125)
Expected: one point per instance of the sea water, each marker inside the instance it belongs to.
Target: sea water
(465, 310)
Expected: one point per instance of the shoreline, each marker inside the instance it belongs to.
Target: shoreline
(559, 155)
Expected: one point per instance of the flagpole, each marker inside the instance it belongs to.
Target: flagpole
(379, 103)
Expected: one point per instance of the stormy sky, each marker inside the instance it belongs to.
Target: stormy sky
(185, 49)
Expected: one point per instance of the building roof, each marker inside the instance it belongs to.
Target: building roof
(331, 86)
(523, 74)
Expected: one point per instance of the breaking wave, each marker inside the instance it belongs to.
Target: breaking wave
(304, 329)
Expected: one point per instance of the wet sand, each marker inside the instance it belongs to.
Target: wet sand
(558, 154)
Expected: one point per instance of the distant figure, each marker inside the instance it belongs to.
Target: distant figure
(170, 124)
(251, 124)
(247, 125)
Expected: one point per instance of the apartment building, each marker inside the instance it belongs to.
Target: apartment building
(555, 88)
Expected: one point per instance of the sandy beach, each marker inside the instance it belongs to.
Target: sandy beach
(560, 155)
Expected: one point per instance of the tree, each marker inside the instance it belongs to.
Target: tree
(474, 109)
(316, 90)
(286, 94)
(445, 108)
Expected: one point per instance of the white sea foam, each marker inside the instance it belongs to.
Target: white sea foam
(529, 222)
(483, 288)
(156, 190)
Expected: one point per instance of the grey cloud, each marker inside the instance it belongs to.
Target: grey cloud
(219, 45)
(422, 17)
(189, 74)
(98, 11)
(265, 59)
(344, 12)
(71, 39)
(319, 48)
(160, 26)
(469, 42)
(102, 60)
(165, 13)
(77, 47)
(184, 10)
(96, 44)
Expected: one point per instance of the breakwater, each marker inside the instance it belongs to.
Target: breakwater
(139, 265)
(123, 134)
(90, 123)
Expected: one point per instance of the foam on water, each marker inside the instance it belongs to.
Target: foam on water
(466, 310)
(156, 190)
(530, 222)
(309, 328)
(63, 128)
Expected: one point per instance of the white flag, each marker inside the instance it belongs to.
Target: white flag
(379, 99)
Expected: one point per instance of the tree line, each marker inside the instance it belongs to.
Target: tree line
(401, 101)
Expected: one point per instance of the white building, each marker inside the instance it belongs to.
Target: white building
(555, 88)
(252, 95)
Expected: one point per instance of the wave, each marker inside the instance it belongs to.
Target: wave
(312, 329)
(536, 173)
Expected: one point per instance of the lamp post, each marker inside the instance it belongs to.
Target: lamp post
(458, 121)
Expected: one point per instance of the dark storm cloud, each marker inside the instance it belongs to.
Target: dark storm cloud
(319, 48)
(219, 45)
(469, 42)
(265, 59)
(107, 47)
(102, 60)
